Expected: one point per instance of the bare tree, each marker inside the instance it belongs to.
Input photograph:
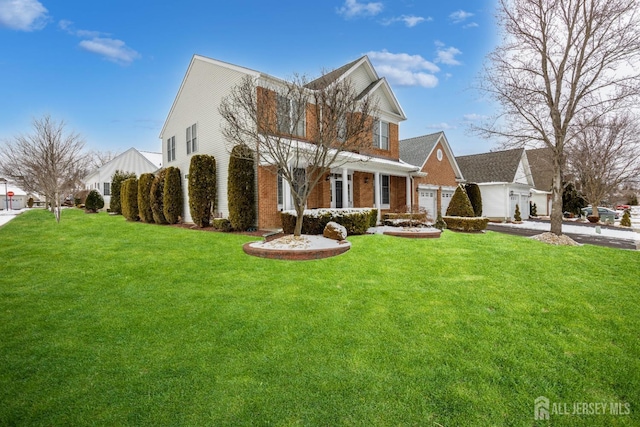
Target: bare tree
(48, 161)
(605, 155)
(558, 60)
(299, 129)
(100, 158)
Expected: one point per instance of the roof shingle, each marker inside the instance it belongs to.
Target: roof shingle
(496, 166)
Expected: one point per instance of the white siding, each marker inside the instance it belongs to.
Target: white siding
(361, 78)
(521, 176)
(197, 102)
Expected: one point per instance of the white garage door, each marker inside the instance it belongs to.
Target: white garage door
(446, 199)
(427, 201)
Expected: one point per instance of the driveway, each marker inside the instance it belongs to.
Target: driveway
(610, 237)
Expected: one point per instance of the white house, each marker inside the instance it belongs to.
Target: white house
(541, 163)
(132, 160)
(505, 180)
(18, 199)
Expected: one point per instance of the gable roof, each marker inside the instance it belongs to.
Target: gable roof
(495, 166)
(417, 150)
(326, 79)
(131, 160)
(541, 164)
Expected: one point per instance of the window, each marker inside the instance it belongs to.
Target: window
(384, 189)
(171, 149)
(381, 135)
(342, 128)
(291, 116)
(192, 139)
(107, 188)
(280, 191)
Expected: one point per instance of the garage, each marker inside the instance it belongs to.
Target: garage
(427, 201)
(445, 200)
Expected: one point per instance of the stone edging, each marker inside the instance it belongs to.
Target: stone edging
(415, 234)
(295, 255)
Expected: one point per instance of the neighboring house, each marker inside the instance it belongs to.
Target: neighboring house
(432, 153)
(541, 164)
(132, 160)
(504, 178)
(19, 199)
(375, 179)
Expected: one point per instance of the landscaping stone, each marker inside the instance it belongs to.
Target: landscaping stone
(334, 231)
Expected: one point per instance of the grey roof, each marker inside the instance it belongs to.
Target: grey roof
(496, 166)
(326, 79)
(416, 150)
(541, 164)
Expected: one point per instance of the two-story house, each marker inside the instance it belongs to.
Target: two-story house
(372, 178)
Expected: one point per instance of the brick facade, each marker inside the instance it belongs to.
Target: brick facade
(440, 174)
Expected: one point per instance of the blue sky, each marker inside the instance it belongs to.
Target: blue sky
(111, 69)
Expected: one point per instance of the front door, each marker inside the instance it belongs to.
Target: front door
(337, 185)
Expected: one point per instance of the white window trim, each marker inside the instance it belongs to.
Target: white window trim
(171, 149)
(292, 129)
(192, 139)
(377, 135)
(382, 204)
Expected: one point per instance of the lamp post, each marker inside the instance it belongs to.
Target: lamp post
(6, 200)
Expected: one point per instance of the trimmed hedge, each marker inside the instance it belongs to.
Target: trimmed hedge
(460, 204)
(241, 188)
(475, 198)
(406, 219)
(157, 197)
(222, 224)
(144, 197)
(172, 197)
(202, 189)
(115, 205)
(314, 221)
(129, 199)
(94, 201)
(466, 223)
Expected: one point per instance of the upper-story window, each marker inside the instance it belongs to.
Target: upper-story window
(171, 149)
(291, 116)
(381, 135)
(192, 139)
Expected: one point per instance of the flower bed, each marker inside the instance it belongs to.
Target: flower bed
(356, 221)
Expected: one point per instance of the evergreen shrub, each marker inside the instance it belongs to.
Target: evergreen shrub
(222, 224)
(157, 197)
(129, 199)
(356, 221)
(626, 219)
(172, 198)
(460, 204)
(202, 189)
(241, 188)
(475, 198)
(94, 201)
(144, 197)
(117, 179)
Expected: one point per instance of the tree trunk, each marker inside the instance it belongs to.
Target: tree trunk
(594, 209)
(299, 218)
(556, 207)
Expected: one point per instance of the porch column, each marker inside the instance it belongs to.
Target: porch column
(408, 192)
(377, 195)
(345, 188)
(286, 195)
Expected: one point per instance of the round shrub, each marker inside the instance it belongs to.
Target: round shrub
(475, 198)
(157, 197)
(117, 179)
(94, 201)
(144, 197)
(460, 204)
(172, 198)
(241, 188)
(202, 188)
(129, 199)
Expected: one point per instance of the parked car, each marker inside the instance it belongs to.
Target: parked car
(602, 212)
(623, 207)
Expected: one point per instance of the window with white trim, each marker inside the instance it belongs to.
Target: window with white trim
(291, 117)
(171, 149)
(106, 189)
(381, 135)
(280, 191)
(192, 139)
(385, 189)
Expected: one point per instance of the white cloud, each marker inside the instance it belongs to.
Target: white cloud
(471, 25)
(112, 49)
(441, 126)
(473, 117)
(447, 55)
(405, 70)
(352, 9)
(69, 28)
(409, 20)
(460, 16)
(23, 15)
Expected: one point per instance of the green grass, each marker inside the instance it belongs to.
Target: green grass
(107, 322)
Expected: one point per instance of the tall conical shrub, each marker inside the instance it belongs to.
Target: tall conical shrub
(202, 188)
(157, 197)
(172, 199)
(129, 199)
(144, 197)
(241, 188)
(115, 205)
(460, 204)
(475, 197)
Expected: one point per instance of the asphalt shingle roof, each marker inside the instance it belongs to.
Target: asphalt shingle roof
(496, 166)
(541, 164)
(415, 150)
(326, 79)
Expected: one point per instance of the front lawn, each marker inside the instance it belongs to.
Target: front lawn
(107, 322)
